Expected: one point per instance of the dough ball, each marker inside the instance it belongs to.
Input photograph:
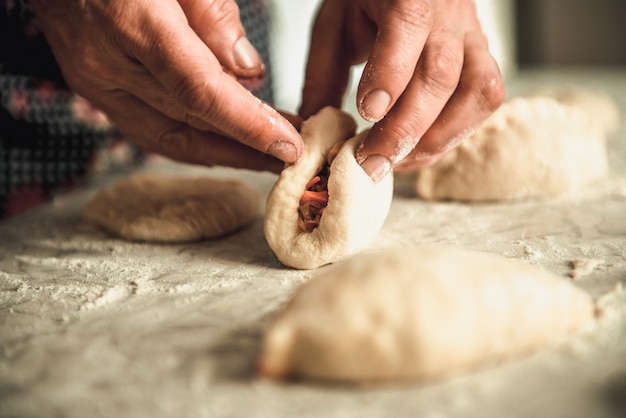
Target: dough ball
(148, 207)
(422, 313)
(530, 147)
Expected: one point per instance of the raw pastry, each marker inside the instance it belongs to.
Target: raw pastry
(422, 313)
(171, 209)
(599, 108)
(321, 211)
(530, 147)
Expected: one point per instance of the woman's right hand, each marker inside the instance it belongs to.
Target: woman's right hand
(166, 74)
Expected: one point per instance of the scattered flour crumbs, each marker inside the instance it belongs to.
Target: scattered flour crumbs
(608, 326)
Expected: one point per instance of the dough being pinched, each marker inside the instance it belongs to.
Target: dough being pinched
(422, 313)
(530, 147)
(307, 227)
(148, 207)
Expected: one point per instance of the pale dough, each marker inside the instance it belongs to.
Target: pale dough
(601, 112)
(530, 147)
(356, 206)
(421, 313)
(148, 207)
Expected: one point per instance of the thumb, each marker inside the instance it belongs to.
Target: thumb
(217, 24)
(328, 66)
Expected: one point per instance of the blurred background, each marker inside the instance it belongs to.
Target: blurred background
(571, 32)
(522, 34)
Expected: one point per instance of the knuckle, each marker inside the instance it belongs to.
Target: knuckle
(491, 91)
(482, 74)
(403, 139)
(79, 76)
(222, 12)
(413, 12)
(400, 130)
(494, 93)
(441, 69)
(174, 142)
(90, 64)
(195, 99)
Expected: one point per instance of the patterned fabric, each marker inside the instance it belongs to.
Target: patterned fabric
(255, 18)
(50, 138)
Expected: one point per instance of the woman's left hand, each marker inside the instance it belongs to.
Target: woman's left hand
(429, 78)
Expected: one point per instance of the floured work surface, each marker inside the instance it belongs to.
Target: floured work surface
(91, 325)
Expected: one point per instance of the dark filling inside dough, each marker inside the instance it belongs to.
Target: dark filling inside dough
(314, 200)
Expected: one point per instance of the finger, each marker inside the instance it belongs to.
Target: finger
(328, 67)
(217, 23)
(480, 92)
(141, 83)
(193, 75)
(154, 132)
(402, 32)
(434, 82)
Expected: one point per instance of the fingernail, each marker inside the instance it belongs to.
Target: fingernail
(284, 151)
(376, 167)
(246, 56)
(374, 105)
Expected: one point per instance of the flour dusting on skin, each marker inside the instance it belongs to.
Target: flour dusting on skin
(458, 139)
(404, 146)
(423, 158)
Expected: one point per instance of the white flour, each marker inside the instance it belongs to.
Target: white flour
(95, 326)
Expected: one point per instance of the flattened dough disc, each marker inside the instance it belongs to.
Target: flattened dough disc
(172, 209)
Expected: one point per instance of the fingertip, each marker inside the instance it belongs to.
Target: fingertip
(288, 145)
(284, 151)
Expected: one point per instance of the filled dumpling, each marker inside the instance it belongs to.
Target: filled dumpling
(325, 207)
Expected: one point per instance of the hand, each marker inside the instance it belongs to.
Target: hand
(165, 73)
(429, 78)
